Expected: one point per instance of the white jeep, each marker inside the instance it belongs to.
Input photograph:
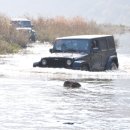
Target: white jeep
(22, 24)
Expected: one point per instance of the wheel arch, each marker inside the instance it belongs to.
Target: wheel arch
(110, 60)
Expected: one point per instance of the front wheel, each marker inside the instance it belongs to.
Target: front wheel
(84, 67)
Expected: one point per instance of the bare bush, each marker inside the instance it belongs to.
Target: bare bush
(49, 28)
(9, 36)
(6, 47)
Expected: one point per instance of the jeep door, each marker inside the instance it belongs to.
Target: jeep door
(96, 58)
(104, 51)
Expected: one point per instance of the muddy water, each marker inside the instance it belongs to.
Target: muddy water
(35, 99)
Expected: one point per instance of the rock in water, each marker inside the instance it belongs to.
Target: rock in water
(72, 84)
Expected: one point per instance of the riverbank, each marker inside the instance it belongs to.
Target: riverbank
(47, 29)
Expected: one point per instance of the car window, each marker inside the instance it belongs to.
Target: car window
(103, 44)
(21, 23)
(111, 43)
(95, 44)
(71, 45)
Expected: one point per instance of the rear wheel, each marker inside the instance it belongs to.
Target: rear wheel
(113, 66)
(33, 39)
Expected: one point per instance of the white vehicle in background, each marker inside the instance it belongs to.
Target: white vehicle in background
(23, 24)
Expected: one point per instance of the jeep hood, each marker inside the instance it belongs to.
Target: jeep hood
(67, 55)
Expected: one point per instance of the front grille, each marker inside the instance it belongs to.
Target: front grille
(56, 62)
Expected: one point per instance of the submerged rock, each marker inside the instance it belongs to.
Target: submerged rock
(72, 84)
(69, 123)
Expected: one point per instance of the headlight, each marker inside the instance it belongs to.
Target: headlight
(44, 62)
(69, 62)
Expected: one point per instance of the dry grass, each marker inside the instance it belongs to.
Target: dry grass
(6, 47)
(49, 28)
(9, 37)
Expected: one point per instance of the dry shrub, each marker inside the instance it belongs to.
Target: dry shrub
(6, 47)
(113, 29)
(9, 36)
(49, 28)
(19, 37)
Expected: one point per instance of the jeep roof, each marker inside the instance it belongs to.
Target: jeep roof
(21, 24)
(84, 37)
(19, 19)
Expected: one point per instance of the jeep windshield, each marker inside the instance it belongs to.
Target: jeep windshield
(71, 45)
(22, 24)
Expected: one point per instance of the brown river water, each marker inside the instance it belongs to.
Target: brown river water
(35, 99)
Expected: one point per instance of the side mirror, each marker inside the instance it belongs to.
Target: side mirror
(51, 50)
(95, 50)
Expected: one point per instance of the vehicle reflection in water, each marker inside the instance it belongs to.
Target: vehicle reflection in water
(34, 98)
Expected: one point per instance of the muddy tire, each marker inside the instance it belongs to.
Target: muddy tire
(84, 67)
